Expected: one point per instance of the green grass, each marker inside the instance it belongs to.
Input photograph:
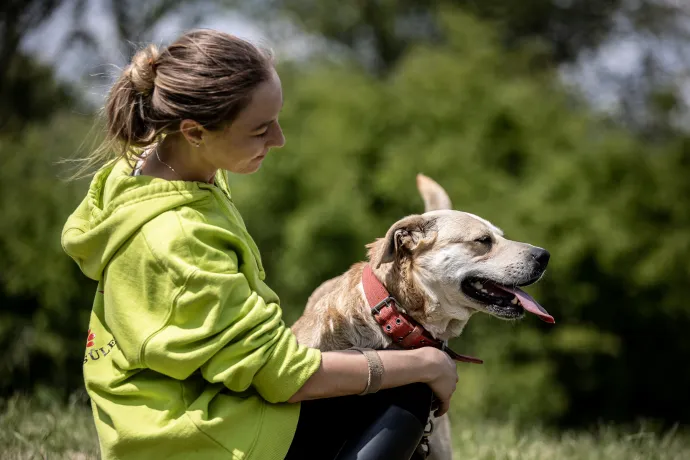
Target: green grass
(492, 440)
(29, 430)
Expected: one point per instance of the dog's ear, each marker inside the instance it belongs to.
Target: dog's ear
(434, 196)
(404, 237)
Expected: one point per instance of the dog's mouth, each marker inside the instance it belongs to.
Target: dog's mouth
(503, 301)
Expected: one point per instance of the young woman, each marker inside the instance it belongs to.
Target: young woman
(187, 355)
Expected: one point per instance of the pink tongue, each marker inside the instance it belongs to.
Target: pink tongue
(529, 304)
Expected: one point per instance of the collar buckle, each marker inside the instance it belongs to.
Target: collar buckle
(376, 309)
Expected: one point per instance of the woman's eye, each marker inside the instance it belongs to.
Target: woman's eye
(262, 134)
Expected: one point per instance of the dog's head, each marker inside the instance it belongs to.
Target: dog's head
(448, 265)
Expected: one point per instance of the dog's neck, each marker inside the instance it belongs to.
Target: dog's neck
(436, 315)
(393, 277)
(419, 304)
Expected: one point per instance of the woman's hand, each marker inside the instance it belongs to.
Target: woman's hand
(442, 377)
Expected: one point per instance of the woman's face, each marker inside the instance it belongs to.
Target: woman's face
(242, 146)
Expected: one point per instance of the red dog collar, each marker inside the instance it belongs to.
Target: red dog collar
(401, 328)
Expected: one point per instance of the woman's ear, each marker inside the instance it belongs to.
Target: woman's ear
(193, 132)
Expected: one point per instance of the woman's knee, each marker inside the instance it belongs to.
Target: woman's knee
(415, 398)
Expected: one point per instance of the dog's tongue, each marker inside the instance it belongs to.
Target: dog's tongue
(529, 304)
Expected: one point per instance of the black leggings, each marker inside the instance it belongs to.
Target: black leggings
(325, 425)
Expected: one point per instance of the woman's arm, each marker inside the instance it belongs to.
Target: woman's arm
(345, 373)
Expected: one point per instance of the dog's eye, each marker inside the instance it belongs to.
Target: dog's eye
(483, 240)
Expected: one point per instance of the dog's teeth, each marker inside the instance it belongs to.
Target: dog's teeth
(477, 285)
(484, 291)
(514, 301)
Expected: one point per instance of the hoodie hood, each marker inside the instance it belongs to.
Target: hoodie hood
(116, 206)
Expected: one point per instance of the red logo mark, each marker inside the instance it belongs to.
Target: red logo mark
(89, 339)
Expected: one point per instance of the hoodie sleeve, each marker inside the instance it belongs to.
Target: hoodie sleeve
(220, 325)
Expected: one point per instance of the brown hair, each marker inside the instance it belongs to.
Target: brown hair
(205, 75)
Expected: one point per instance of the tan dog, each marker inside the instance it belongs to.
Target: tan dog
(442, 267)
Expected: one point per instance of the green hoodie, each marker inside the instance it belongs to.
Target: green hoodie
(187, 355)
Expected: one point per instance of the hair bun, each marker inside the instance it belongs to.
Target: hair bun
(142, 70)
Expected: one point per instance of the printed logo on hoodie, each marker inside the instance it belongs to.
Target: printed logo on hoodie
(95, 353)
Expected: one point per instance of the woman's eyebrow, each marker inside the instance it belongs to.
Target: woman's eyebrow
(266, 123)
(263, 125)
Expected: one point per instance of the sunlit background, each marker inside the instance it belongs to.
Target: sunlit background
(565, 122)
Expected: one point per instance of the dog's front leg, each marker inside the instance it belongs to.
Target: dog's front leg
(440, 443)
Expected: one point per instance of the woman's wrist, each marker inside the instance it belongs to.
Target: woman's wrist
(427, 359)
(403, 367)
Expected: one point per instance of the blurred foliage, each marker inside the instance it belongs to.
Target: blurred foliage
(28, 92)
(132, 22)
(506, 141)
(43, 295)
(17, 19)
(381, 31)
(643, 84)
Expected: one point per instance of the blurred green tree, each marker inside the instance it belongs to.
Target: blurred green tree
(45, 300)
(27, 89)
(581, 37)
(133, 23)
(17, 19)
(380, 31)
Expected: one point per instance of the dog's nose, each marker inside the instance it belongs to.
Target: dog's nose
(541, 256)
